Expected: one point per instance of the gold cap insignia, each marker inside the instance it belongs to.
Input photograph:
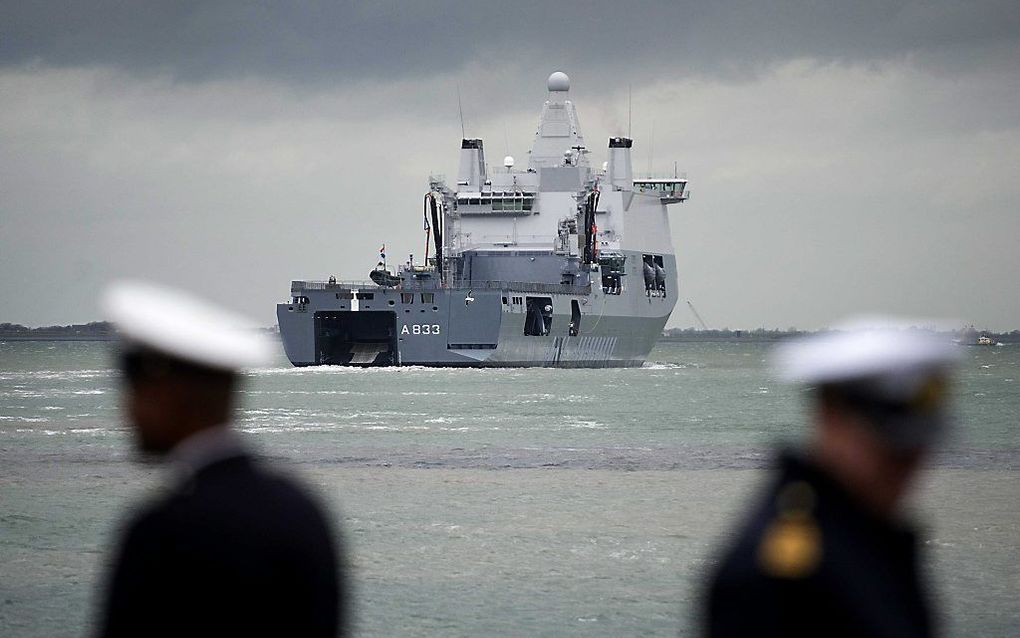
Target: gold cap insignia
(791, 546)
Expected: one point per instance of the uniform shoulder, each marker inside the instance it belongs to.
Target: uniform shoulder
(782, 537)
(790, 544)
(248, 486)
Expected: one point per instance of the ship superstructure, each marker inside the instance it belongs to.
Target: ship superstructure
(553, 264)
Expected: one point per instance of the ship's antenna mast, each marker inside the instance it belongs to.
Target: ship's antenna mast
(460, 109)
(630, 105)
(651, 148)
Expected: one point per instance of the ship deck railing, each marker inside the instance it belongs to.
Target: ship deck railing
(526, 286)
(299, 286)
(653, 175)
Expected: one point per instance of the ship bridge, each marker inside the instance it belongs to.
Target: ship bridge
(670, 190)
(505, 207)
(538, 207)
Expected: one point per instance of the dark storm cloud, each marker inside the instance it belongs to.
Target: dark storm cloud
(327, 42)
(865, 152)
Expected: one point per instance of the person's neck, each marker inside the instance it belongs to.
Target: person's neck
(855, 475)
(206, 446)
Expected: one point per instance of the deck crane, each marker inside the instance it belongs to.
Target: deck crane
(697, 316)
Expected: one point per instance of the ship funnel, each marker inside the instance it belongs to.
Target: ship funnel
(472, 164)
(620, 174)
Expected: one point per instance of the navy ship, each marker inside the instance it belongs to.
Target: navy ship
(556, 264)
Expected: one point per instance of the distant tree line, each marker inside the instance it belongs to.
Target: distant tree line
(725, 334)
(776, 334)
(93, 331)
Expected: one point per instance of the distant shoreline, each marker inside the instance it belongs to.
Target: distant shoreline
(761, 335)
(57, 337)
(94, 331)
(104, 331)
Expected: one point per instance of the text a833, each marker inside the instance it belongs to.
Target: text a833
(420, 329)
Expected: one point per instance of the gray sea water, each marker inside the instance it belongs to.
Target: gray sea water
(496, 502)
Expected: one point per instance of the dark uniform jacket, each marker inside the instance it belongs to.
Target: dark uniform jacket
(811, 561)
(234, 551)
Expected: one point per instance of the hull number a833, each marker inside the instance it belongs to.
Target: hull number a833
(420, 329)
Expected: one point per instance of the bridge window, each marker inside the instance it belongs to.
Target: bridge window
(428, 297)
(500, 202)
(407, 297)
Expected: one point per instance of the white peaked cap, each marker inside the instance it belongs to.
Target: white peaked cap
(185, 327)
(863, 350)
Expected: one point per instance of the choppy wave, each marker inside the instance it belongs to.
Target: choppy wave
(47, 393)
(52, 432)
(304, 392)
(325, 370)
(658, 365)
(59, 375)
(587, 425)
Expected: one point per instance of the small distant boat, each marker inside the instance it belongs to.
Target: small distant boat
(971, 337)
(383, 277)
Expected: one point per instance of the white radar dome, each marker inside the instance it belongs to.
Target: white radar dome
(558, 81)
(508, 161)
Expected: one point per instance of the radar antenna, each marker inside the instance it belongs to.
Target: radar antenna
(651, 148)
(460, 109)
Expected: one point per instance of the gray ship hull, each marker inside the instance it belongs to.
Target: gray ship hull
(368, 325)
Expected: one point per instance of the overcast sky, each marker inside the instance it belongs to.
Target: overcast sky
(843, 157)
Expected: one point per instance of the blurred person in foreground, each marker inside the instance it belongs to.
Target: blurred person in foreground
(825, 551)
(231, 548)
